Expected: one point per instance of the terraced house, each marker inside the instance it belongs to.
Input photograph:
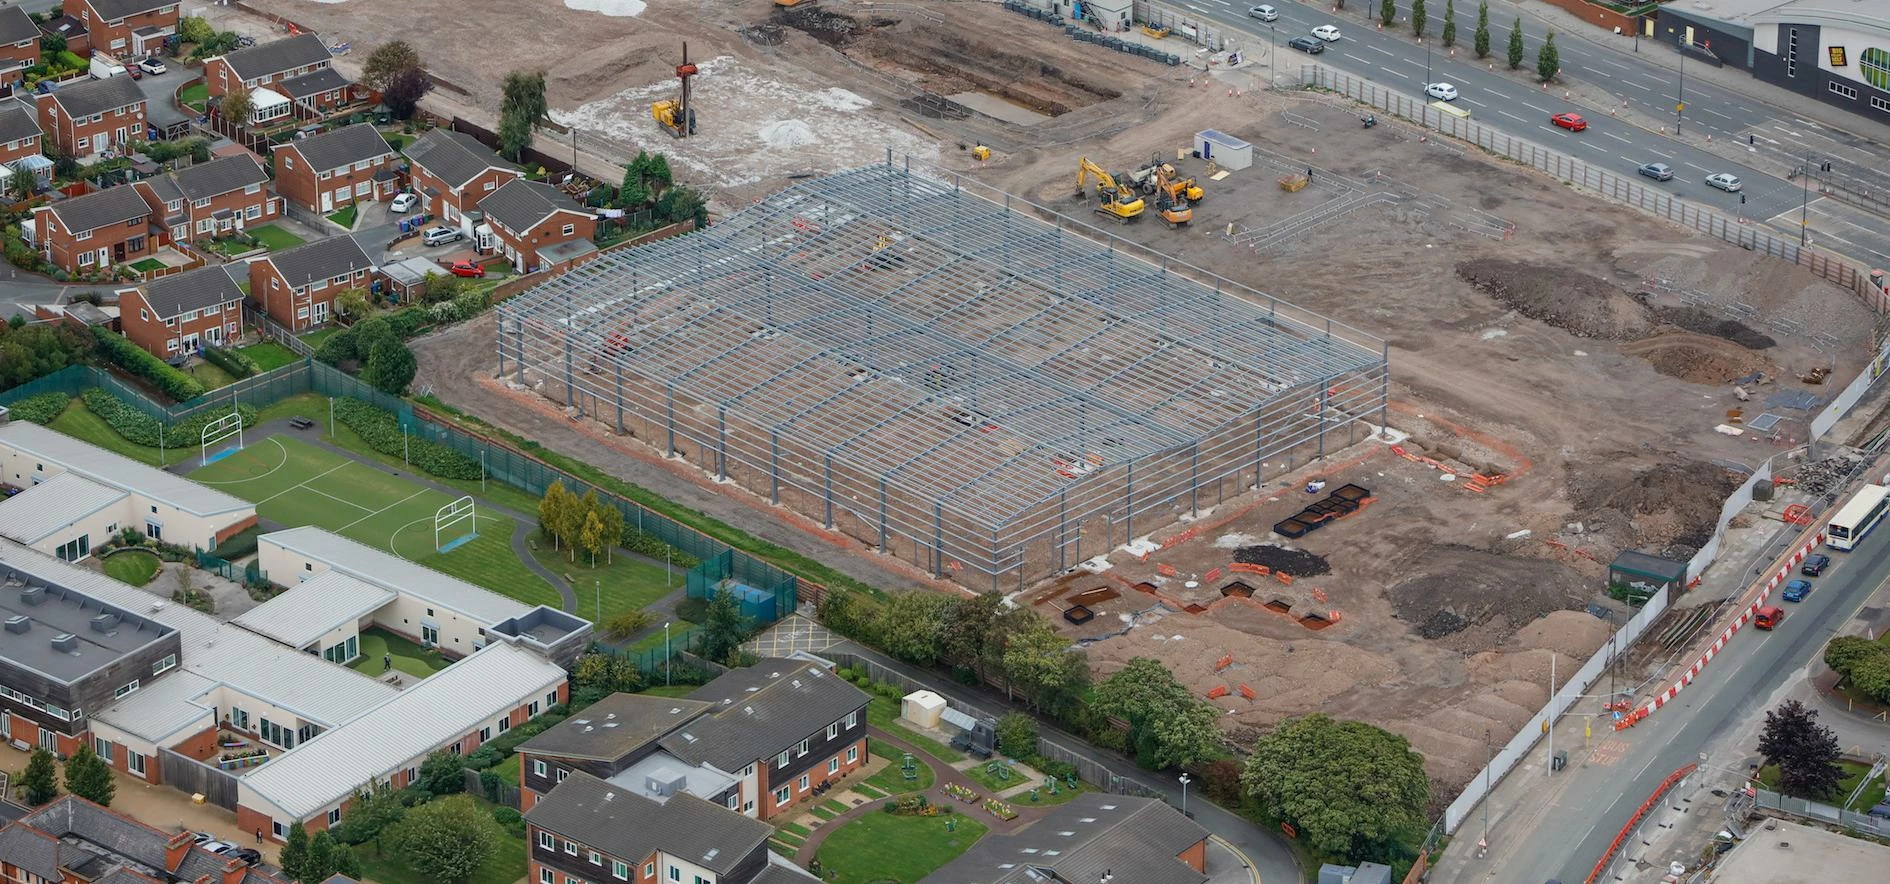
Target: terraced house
(90, 233)
(127, 28)
(177, 314)
(452, 172)
(91, 117)
(298, 287)
(336, 169)
(19, 44)
(298, 68)
(211, 199)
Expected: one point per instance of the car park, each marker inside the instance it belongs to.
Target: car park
(1307, 45)
(439, 236)
(1769, 617)
(1441, 91)
(1814, 565)
(1328, 33)
(1263, 12)
(1657, 171)
(1725, 181)
(404, 202)
(150, 65)
(1571, 122)
(1796, 590)
(466, 267)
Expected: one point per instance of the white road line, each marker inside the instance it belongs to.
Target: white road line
(1636, 84)
(1475, 102)
(1392, 73)
(1593, 71)
(1617, 138)
(1385, 51)
(1512, 116)
(1540, 110)
(305, 482)
(1627, 159)
(1701, 168)
(1714, 113)
(1353, 57)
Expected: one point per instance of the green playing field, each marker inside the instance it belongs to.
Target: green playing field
(294, 483)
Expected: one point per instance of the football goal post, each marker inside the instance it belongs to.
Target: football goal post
(450, 515)
(219, 431)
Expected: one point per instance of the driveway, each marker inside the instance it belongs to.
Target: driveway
(160, 110)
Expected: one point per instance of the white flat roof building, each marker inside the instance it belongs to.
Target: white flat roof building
(54, 505)
(115, 470)
(383, 569)
(306, 612)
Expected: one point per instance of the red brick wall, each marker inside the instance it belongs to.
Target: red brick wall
(66, 132)
(1606, 19)
(105, 35)
(816, 775)
(296, 181)
(550, 233)
(235, 201)
(25, 147)
(1195, 857)
(250, 522)
(267, 287)
(28, 732)
(65, 249)
(28, 54)
(151, 333)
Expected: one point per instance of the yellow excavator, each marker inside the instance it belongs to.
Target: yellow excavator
(1116, 200)
(1160, 176)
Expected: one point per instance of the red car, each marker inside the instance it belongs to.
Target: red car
(1571, 122)
(464, 267)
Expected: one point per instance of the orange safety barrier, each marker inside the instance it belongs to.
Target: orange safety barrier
(1601, 866)
(1165, 570)
(1181, 538)
(1224, 662)
(1284, 578)
(1218, 692)
(1246, 691)
(1245, 568)
(1211, 576)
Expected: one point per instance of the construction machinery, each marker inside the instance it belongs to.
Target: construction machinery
(1116, 199)
(1175, 213)
(673, 114)
(1160, 176)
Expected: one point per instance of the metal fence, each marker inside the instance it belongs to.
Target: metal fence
(259, 390)
(187, 774)
(277, 331)
(778, 599)
(1863, 824)
(1852, 393)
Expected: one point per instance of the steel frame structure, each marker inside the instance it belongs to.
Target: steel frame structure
(961, 379)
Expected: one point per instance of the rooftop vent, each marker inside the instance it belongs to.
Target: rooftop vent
(711, 854)
(749, 709)
(19, 624)
(774, 675)
(664, 785)
(611, 717)
(105, 623)
(688, 738)
(608, 724)
(675, 710)
(797, 682)
(32, 595)
(66, 642)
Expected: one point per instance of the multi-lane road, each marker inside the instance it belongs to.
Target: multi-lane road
(1500, 99)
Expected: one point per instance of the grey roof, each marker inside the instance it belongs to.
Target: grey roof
(629, 826)
(110, 468)
(454, 157)
(1138, 839)
(560, 252)
(32, 850)
(269, 59)
(181, 293)
(218, 177)
(54, 609)
(348, 144)
(116, 840)
(781, 871)
(17, 121)
(377, 566)
(16, 26)
(53, 506)
(166, 190)
(761, 710)
(311, 609)
(614, 727)
(324, 80)
(114, 10)
(321, 259)
(520, 205)
(113, 205)
(98, 96)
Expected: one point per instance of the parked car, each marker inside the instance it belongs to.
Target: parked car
(439, 236)
(1571, 122)
(1307, 45)
(1263, 12)
(1769, 617)
(248, 855)
(1814, 565)
(151, 65)
(1881, 811)
(1657, 171)
(404, 202)
(465, 267)
(1725, 181)
(215, 846)
(1328, 33)
(136, 73)
(1796, 590)
(1441, 91)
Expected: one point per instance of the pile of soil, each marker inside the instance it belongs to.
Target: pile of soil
(1694, 319)
(948, 62)
(1457, 587)
(830, 28)
(1650, 506)
(1581, 304)
(1291, 562)
(1700, 359)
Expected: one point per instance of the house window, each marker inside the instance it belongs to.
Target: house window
(200, 204)
(1791, 54)
(85, 259)
(570, 229)
(485, 733)
(801, 749)
(144, 314)
(104, 749)
(1841, 89)
(561, 773)
(675, 874)
(164, 665)
(619, 870)
(134, 762)
(833, 765)
(538, 768)
(570, 848)
(1880, 103)
(547, 876)
(252, 213)
(288, 162)
(597, 859)
(531, 711)
(334, 817)
(833, 730)
(82, 237)
(551, 699)
(853, 754)
(781, 795)
(803, 783)
(649, 869)
(276, 828)
(504, 724)
(781, 760)
(363, 188)
(206, 225)
(545, 840)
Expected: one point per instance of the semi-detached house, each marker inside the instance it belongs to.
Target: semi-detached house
(538, 227)
(298, 68)
(335, 169)
(19, 131)
(91, 117)
(452, 172)
(19, 44)
(298, 287)
(211, 199)
(178, 314)
(127, 28)
(89, 233)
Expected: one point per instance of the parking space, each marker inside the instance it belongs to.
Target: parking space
(159, 93)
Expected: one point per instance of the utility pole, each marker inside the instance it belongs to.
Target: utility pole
(1548, 723)
(1804, 206)
(1680, 96)
(1427, 68)
(1489, 758)
(1273, 54)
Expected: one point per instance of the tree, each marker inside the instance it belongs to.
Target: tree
(1871, 675)
(355, 302)
(968, 639)
(450, 838)
(592, 536)
(911, 626)
(390, 367)
(1515, 44)
(1017, 735)
(724, 627)
(612, 517)
(1845, 651)
(39, 780)
(1483, 29)
(403, 93)
(1171, 727)
(1388, 12)
(53, 44)
(389, 60)
(1418, 18)
(443, 773)
(193, 29)
(1038, 664)
(89, 777)
(369, 814)
(521, 106)
(323, 854)
(237, 105)
(551, 509)
(1350, 788)
(1548, 61)
(1450, 23)
(682, 203)
(295, 854)
(1804, 751)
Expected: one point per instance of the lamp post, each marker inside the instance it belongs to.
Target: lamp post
(1273, 54)
(1804, 204)
(666, 658)
(1427, 67)
(1488, 759)
(1184, 794)
(1680, 94)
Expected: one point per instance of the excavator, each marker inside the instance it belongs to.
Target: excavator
(1174, 212)
(1116, 200)
(1161, 176)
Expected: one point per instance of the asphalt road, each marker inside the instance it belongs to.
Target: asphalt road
(1394, 58)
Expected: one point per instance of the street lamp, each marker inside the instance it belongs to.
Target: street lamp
(1488, 759)
(1273, 54)
(1680, 95)
(1184, 794)
(1804, 205)
(666, 658)
(1427, 66)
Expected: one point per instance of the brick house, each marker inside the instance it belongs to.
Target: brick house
(19, 131)
(756, 741)
(127, 28)
(19, 45)
(538, 227)
(72, 840)
(90, 233)
(299, 68)
(297, 287)
(348, 165)
(78, 42)
(91, 117)
(211, 199)
(177, 314)
(452, 172)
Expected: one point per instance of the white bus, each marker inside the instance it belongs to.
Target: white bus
(1857, 517)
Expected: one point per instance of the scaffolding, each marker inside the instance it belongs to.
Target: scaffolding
(968, 381)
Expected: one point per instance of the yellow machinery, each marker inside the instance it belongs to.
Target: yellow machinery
(1175, 213)
(1157, 33)
(673, 114)
(1160, 176)
(981, 153)
(1118, 201)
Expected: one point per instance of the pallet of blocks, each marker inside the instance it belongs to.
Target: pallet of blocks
(1293, 183)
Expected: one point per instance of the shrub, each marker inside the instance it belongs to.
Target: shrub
(241, 544)
(622, 625)
(378, 428)
(1017, 735)
(141, 429)
(650, 545)
(41, 409)
(236, 363)
(120, 351)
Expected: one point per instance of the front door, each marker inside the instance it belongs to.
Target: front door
(328, 201)
(321, 312)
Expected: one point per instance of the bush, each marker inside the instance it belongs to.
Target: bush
(41, 409)
(241, 544)
(141, 429)
(622, 625)
(1017, 735)
(237, 364)
(120, 351)
(645, 544)
(378, 428)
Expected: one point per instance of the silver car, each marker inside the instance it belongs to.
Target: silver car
(1725, 181)
(1263, 12)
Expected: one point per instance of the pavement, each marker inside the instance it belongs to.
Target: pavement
(1628, 98)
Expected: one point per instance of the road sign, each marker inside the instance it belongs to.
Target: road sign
(1679, 108)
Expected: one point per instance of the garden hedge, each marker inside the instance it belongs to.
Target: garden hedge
(139, 428)
(378, 428)
(232, 361)
(123, 353)
(41, 409)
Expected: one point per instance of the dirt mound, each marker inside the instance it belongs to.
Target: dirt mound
(947, 62)
(1694, 319)
(1581, 304)
(1457, 587)
(1648, 506)
(1292, 562)
(830, 28)
(1570, 633)
(1698, 358)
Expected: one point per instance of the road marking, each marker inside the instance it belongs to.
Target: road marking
(1540, 110)
(1593, 71)
(1636, 84)
(1627, 159)
(1788, 131)
(1713, 112)
(1385, 51)
(1393, 73)
(1608, 751)
(1477, 103)
(1512, 116)
(1701, 168)
(1617, 138)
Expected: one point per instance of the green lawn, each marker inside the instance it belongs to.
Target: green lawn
(276, 239)
(506, 865)
(79, 422)
(1853, 772)
(211, 375)
(134, 567)
(294, 483)
(269, 355)
(981, 774)
(882, 847)
(378, 644)
(883, 713)
(228, 248)
(508, 769)
(890, 779)
(1045, 799)
(316, 337)
(148, 264)
(627, 583)
(346, 216)
(195, 95)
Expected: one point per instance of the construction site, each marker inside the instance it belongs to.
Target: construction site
(926, 337)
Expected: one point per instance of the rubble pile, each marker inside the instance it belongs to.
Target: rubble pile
(1821, 476)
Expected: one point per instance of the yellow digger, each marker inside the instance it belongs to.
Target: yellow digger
(1160, 176)
(1116, 200)
(1175, 213)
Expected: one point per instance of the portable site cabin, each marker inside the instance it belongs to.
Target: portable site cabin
(1231, 153)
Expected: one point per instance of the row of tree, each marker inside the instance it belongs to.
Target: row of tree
(87, 776)
(580, 524)
(1548, 60)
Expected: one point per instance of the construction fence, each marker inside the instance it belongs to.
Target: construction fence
(1860, 823)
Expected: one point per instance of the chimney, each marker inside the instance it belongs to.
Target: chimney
(176, 849)
(234, 870)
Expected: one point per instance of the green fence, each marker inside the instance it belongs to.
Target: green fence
(260, 390)
(765, 595)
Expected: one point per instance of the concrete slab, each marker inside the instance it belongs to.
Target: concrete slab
(1793, 853)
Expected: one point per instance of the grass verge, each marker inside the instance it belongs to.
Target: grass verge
(886, 847)
(891, 779)
(883, 713)
(346, 216)
(135, 567)
(268, 355)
